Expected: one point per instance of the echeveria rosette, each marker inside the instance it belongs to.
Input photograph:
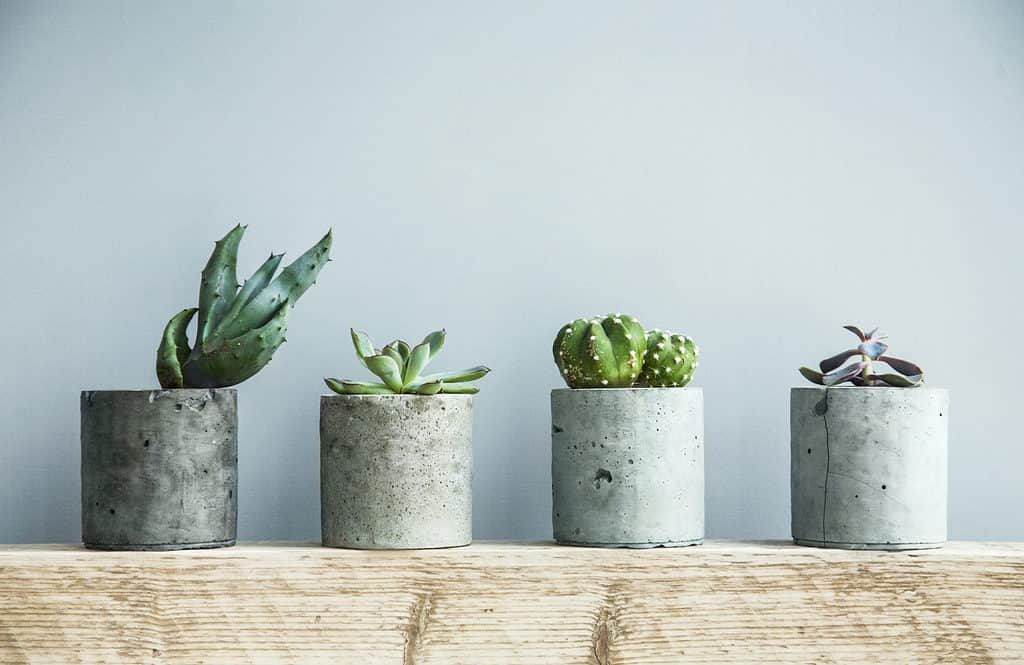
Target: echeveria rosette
(398, 366)
(861, 372)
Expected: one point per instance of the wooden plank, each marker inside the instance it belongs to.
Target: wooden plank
(515, 603)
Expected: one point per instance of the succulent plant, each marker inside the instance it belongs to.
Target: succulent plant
(861, 372)
(600, 352)
(240, 327)
(398, 366)
(669, 360)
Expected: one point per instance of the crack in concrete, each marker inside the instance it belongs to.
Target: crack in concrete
(828, 455)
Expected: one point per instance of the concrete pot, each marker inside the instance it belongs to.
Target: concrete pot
(396, 471)
(159, 469)
(868, 467)
(627, 466)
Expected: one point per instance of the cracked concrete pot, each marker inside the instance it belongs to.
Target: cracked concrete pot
(396, 471)
(868, 467)
(159, 469)
(627, 466)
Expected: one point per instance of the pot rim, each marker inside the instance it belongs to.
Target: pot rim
(631, 389)
(396, 396)
(918, 389)
(157, 390)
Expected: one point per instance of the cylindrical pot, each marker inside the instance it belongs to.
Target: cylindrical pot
(396, 471)
(627, 466)
(159, 469)
(868, 467)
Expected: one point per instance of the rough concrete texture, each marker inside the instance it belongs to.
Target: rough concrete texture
(159, 469)
(627, 466)
(396, 471)
(869, 467)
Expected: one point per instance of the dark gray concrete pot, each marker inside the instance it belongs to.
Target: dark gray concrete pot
(396, 471)
(159, 469)
(627, 466)
(868, 467)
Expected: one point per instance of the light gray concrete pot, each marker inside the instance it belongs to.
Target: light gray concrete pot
(159, 469)
(868, 467)
(627, 466)
(396, 471)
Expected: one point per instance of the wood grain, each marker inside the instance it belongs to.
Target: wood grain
(515, 603)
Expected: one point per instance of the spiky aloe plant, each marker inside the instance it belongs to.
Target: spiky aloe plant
(398, 366)
(861, 373)
(600, 352)
(669, 361)
(239, 327)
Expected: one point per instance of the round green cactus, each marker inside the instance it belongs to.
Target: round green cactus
(669, 361)
(600, 352)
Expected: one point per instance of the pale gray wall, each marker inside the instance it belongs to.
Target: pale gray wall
(754, 175)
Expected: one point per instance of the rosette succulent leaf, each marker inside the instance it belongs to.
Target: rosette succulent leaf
(399, 367)
(239, 327)
(669, 361)
(861, 372)
(600, 352)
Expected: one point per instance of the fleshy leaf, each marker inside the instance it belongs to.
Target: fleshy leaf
(431, 388)
(363, 344)
(904, 367)
(173, 350)
(403, 349)
(387, 369)
(238, 358)
(459, 389)
(418, 359)
(897, 380)
(252, 286)
(394, 354)
(471, 374)
(856, 331)
(435, 340)
(829, 364)
(343, 387)
(843, 374)
(873, 348)
(812, 375)
(218, 284)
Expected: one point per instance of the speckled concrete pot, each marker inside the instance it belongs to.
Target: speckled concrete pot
(868, 467)
(159, 469)
(627, 466)
(396, 471)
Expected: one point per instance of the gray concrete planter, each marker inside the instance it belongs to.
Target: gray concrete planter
(159, 469)
(627, 466)
(396, 471)
(868, 467)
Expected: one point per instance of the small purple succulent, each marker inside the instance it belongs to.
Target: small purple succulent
(859, 373)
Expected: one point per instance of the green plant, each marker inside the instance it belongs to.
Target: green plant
(614, 351)
(240, 327)
(861, 372)
(600, 352)
(669, 360)
(398, 366)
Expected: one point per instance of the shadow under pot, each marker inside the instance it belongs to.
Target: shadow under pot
(159, 469)
(396, 471)
(627, 466)
(868, 467)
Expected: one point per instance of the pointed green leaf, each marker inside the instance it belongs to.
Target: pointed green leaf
(344, 387)
(253, 286)
(238, 358)
(813, 376)
(286, 287)
(471, 374)
(363, 344)
(431, 388)
(219, 283)
(387, 369)
(174, 349)
(403, 348)
(418, 359)
(394, 354)
(459, 389)
(435, 340)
